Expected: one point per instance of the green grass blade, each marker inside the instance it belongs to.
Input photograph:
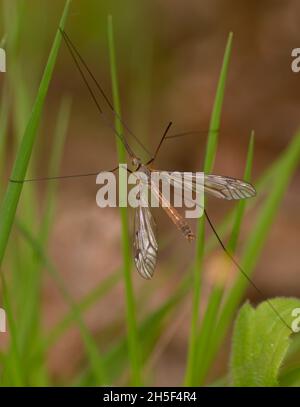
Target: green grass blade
(12, 360)
(19, 91)
(241, 206)
(212, 142)
(54, 165)
(133, 342)
(26, 286)
(30, 314)
(86, 303)
(282, 174)
(13, 192)
(90, 345)
(268, 212)
(149, 329)
(3, 128)
(207, 329)
(208, 165)
(192, 347)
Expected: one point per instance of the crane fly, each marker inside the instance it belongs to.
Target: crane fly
(145, 240)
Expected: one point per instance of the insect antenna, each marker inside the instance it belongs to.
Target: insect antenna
(243, 271)
(75, 53)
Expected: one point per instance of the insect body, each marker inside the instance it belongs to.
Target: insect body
(145, 241)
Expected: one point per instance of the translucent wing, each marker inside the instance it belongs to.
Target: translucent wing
(145, 243)
(227, 187)
(216, 185)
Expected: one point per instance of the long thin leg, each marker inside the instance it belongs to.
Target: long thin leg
(160, 143)
(191, 133)
(242, 271)
(120, 136)
(72, 47)
(88, 174)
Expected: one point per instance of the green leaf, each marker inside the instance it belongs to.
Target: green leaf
(260, 342)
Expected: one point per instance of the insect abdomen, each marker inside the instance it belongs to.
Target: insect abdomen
(186, 230)
(180, 222)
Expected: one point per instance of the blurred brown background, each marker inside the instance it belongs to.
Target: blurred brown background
(169, 54)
